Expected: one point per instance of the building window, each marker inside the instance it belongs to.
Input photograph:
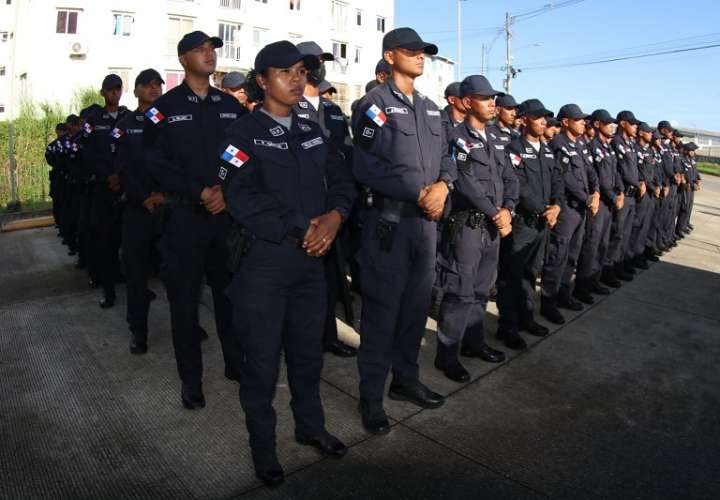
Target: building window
(261, 1)
(358, 17)
(124, 74)
(2, 108)
(358, 51)
(259, 36)
(341, 98)
(173, 79)
(340, 50)
(2, 70)
(339, 15)
(122, 24)
(381, 24)
(177, 27)
(294, 4)
(4, 35)
(231, 4)
(67, 21)
(229, 33)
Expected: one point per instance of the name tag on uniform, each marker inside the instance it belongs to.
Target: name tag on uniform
(179, 118)
(102, 127)
(304, 115)
(270, 144)
(501, 147)
(312, 143)
(396, 111)
(232, 116)
(302, 126)
(529, 156)
(134, 131)
(549, 156)
(432, 112)
(337, 117)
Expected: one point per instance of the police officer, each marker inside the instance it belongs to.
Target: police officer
(594, 257)
(327, 91)
(653, 252)
(541, 191)
(692, 184)
(312, 106)
(645, 206)
(503, 131)
(288, 188)
(581, 198)
(106, 211)
(382, 71)
(143, 199)
(53, 151)
(183, 130)
(482, 202)
(402, 156)
(232, 83)
(454, 113)
(75, 193)
(669, 160)
(551, 130)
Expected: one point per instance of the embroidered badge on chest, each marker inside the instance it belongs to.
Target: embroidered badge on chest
(304, 127)
(215, 98)
(303, 104)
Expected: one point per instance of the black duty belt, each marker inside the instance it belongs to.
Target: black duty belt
(631, 191)
(396, 208)
(530, 219)
(470, 218)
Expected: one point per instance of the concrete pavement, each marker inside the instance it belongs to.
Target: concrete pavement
(621, 402)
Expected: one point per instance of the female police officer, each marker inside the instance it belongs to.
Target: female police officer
(288, 191)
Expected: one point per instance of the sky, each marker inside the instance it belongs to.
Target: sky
(683, 87)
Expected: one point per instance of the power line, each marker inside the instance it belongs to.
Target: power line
(624, 58)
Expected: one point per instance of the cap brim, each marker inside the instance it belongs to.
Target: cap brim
(217, 42)
(326, 56)
(428, 48)
(539, 113)
(483, 93)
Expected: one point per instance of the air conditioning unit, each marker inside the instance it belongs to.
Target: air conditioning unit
(78, 49)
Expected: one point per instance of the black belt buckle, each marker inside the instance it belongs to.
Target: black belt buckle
(475, 219)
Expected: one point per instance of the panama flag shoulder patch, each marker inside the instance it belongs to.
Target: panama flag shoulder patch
(462, 144)
(515, 159)
(154, 115)
(234, 156)
(117, 133)
(376, 115)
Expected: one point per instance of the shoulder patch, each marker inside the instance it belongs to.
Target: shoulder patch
(234, 156)
(376, 115)
(154, 115)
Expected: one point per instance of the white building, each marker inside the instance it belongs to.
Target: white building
(439, 73)
(50, 48)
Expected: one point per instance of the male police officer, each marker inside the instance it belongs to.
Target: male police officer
(645, 206)
(454, 113)
(594, 254)
(142, 198)
(483, 202)
(182, 132)
(521, 253)
(53, 151)
(552, 129)
(402, 156)
(506, 113)
(669, 160)
(382, 71)
(624, 145)
(692, 184)
(106, 215)
(581, 197)
(329, 116)
(232, 83)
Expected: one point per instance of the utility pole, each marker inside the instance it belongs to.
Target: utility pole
(459, 40)
(482, 60)
(508, 56)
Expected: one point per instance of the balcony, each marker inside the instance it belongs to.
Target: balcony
(230, 50)
(230, 4)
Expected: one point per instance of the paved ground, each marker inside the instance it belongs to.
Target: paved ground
(621, 403)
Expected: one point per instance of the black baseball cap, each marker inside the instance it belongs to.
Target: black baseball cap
(656, 135)
(326, 86)
(383, 67)
(283, 54)
(677, 133)
(507, 101)
(572, 112)
(690, 146)
(111, 81)
(407, 38)
(146, 76)
(602, 116)
(533, 108)
(196, 39)
(477, 85)
(452, 90)
(60, 127)
(553, 122)
(644, 127)
(233, 80)
(665, 124)
(73, 119)
(313, 49)
(627, 116)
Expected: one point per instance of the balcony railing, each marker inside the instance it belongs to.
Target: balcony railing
(230, 50)
(230, 4)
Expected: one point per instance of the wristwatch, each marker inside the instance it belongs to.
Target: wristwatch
(449, 185)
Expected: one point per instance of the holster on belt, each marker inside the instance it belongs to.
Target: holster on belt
(239, 241)
(391, 212)
(632, 191)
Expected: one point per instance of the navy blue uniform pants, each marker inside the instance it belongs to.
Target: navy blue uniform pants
(595, 246)
(396, 290)
(563, 250)
(193, 245)
(521, 259)
(644, 211)
(620, 230)
(106, 231)
(467, 268)
(140, 229)
(279, 300)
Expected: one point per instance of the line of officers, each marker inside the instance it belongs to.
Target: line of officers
(269, 195)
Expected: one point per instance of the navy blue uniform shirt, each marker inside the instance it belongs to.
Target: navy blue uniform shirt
(540, 181)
